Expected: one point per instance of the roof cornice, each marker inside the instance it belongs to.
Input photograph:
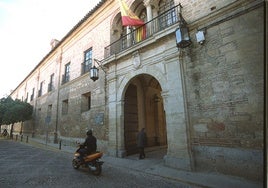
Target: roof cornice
(88, 15)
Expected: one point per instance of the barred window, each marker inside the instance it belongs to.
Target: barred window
(86, 65)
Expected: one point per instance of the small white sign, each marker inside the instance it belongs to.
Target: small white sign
(200, 37)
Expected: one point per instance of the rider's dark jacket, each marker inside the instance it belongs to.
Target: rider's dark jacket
(90, 144)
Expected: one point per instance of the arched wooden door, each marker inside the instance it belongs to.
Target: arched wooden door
(131, 119)
(143, 108)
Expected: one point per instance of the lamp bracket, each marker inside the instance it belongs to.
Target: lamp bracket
(100, 65)
(182, 20)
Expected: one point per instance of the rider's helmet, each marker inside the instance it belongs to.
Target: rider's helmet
(89, 132)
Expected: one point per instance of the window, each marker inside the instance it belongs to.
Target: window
(50, 85)
(40, 90)
(87, 61)
(32, 96)
(26, 99)
(169, 17)
(66, 76)
(86, 102)
(124, 38)
(49, 110)
(38, 114)
(65, 104)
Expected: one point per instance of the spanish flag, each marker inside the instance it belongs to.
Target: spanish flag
(140, 33)
(128, 17)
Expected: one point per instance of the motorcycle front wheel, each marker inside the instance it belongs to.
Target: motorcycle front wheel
(98, 169)
(75, 164)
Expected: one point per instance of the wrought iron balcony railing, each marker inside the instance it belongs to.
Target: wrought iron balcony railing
(49, 87)
(40, 93)
(85, 67)
(32, 97)
(65, 78)
(163, 21)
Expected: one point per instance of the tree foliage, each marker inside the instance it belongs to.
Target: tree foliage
(13, 111)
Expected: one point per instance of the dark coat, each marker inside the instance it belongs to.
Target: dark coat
(141, 139)
(90, 144)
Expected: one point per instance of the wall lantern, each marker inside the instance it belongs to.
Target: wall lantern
(182, 33)
(94, 71)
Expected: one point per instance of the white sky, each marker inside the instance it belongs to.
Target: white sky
(26, 29)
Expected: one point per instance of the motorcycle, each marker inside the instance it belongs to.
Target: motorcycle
(91, 161)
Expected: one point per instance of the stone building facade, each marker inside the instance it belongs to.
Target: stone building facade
(204, 103)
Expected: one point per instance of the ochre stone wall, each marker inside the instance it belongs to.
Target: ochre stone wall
(224, 86)
(212, 93)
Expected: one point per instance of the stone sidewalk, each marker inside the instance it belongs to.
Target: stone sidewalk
(155, 166)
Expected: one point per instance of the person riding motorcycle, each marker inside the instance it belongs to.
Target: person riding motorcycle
(89, 146)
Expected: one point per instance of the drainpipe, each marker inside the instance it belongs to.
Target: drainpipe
(35, 102)
(59, 61)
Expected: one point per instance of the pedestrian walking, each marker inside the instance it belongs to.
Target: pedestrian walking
(141, 142)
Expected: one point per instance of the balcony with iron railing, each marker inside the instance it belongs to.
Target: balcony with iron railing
(136, 36)
(49, 87)
(40, 93)
(32, 97)
(85, 67)
(65, 78)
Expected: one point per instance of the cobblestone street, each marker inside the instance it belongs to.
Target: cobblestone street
(27, 166)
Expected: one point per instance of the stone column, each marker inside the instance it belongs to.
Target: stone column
(121, 152)
(149, 15)
(148, 10)
(116, 129)
(178, 154)
(112, 142)
(129, 36)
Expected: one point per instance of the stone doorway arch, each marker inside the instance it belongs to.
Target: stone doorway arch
(178, 149)
(143, 107)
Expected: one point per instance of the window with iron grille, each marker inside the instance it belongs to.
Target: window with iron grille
(50, 85)
(66, 76)
(26, 99)
(86, 65)
(32, 96)
(170, 17)
(40, 89)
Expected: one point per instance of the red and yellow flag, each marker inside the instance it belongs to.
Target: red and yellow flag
(128, 17)
(140, 34)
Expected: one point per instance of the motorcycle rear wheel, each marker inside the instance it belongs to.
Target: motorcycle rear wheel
(75, 164)
(98, 170)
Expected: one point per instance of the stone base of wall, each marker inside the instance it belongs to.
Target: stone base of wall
(117, 153)
(231, 161)
(179, 163)
(73, 142)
